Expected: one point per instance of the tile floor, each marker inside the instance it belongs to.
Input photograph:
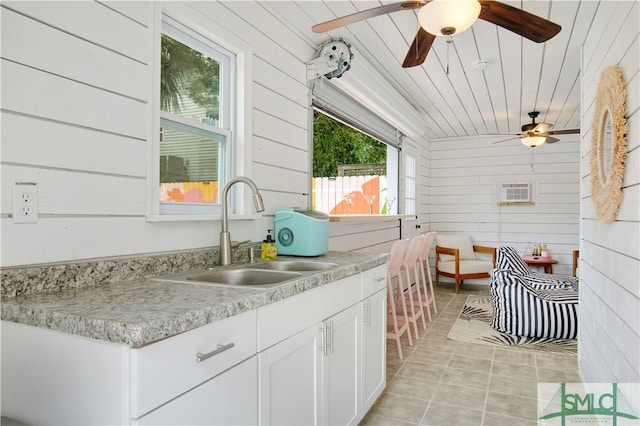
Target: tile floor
(444, 382)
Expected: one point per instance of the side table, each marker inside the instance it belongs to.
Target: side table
(545, 262)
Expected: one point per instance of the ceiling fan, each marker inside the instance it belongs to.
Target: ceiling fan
(535, 134)
(448, 17)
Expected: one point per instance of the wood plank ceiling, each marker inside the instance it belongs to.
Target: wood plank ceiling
(520, 75)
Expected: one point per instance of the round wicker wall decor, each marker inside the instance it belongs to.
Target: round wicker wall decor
(609, 130)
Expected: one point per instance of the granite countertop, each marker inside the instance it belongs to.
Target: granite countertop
(143, 311)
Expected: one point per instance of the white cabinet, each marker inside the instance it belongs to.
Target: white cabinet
(373, 358)
(230, 398)
(163, 370)
(340, 369)
(322, 353)
(313, 376)
(374, 348)
(199, 366)
(49, 377)
(290, 393)
(313, 358)
(57, 378)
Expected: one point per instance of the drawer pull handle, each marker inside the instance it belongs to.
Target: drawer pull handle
(221, 348)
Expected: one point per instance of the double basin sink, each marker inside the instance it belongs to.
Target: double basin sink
(254, 275)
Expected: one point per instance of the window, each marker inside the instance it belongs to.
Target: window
(352, 194)
(195, 134)
(410, 184)
(350, 169)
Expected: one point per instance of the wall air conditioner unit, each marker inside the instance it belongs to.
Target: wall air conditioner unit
(515, 193)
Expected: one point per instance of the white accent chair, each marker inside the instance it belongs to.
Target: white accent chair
(456, 258)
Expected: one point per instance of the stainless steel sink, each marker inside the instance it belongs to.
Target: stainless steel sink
(252, 275)
(243, 276)
(293, 265)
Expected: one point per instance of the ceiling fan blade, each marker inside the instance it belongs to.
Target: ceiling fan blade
(564, 132)
(551, 140)
(506, 140)
(419, 49)
(365, 14)
(518, 21)
(542, 128)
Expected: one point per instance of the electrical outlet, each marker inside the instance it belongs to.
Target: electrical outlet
(25, 202)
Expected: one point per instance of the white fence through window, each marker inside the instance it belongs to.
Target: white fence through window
(351, 195)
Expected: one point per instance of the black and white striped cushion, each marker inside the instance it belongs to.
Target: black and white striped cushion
(508, 258)
(522, 310)
(551, 281)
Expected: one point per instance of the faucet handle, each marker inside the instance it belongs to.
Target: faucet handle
(236, 244)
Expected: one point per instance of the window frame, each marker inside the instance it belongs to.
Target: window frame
(237, 117)
(330, 100)
(410, 170)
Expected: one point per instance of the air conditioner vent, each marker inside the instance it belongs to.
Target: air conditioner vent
(515, 193)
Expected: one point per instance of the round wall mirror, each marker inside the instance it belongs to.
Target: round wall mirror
(609, 144)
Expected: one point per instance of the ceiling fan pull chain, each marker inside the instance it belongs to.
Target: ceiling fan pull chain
(532, 170)
(449, 41)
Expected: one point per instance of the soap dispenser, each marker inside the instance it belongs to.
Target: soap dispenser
(269, 250)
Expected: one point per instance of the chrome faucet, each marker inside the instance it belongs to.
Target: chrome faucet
(225, 236)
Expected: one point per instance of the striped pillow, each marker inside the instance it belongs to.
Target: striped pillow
(551, 281)
(520, 309)
(508, 258)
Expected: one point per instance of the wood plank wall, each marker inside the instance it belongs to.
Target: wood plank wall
(465, 172)
(75, 121)
(609, 341)
(75, 108)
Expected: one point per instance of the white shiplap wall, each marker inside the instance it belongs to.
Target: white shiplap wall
(464, 175)
(75, 105)
(609, 341)
(75, 119)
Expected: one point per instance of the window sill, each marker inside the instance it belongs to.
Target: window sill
(360, 218)
(199, 218)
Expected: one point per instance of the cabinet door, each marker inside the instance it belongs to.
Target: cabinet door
(290, 392)
(374, 353)
(341, 372)
(230, 398)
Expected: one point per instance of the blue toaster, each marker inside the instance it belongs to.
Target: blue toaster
(301, 232)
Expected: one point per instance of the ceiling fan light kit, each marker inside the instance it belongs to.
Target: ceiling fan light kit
(535, 134)
(533, 141)
(447, 17)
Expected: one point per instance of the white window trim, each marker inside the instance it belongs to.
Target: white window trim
(241, 153)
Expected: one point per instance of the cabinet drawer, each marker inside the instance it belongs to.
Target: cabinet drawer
(373, 280)
(164, 370)
(230, 398)
(281, 320)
